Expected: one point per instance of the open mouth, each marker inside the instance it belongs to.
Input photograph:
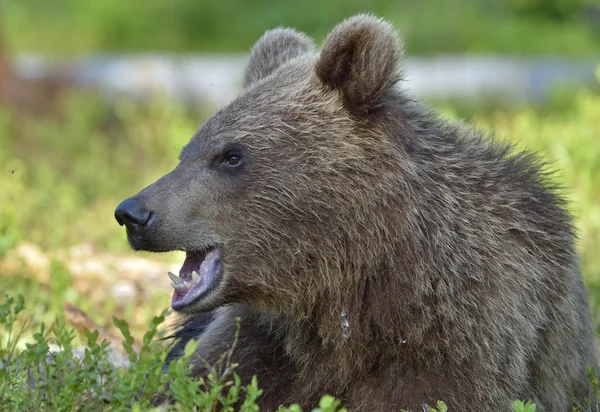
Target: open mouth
(199, 274)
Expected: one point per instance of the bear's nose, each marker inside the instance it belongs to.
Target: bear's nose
(131, 214)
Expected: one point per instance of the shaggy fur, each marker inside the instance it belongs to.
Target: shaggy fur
(374, 252)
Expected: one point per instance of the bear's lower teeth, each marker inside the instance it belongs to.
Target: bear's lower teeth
(184, 285)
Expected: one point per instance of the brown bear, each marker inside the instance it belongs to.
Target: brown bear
(372, 251)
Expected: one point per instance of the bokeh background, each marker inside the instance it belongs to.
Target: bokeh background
(98, 97)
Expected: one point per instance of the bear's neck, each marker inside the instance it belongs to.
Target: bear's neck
(385, 312)
(347, 333)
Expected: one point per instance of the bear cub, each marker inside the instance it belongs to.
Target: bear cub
(371, 251)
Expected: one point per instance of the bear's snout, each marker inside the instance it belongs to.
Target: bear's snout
(133, 215)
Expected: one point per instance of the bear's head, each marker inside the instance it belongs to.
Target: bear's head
(284, 196)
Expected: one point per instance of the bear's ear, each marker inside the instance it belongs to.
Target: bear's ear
(360, 57)
(272, 50)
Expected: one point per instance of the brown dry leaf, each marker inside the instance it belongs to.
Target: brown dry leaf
(80, 320)
(31, 258)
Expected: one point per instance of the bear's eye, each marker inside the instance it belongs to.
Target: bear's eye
(232, 158)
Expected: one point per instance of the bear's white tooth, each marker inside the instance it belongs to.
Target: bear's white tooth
(195, 278)
(176, 279)
(182, 287)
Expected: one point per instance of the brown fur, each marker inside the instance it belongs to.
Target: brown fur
(373, 252)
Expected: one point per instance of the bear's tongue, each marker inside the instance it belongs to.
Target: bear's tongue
(196, 276)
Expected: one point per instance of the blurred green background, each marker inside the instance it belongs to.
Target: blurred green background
(567, 27)
(68, 156)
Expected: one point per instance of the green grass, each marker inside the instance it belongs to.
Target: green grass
(482, 26)
(47, 374)
(71, 170)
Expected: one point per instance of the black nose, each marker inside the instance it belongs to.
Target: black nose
(131, 214)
